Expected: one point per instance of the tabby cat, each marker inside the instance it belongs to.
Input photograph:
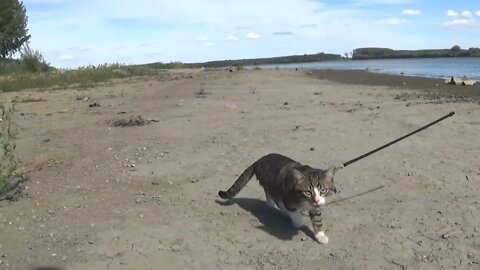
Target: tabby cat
(291, 188)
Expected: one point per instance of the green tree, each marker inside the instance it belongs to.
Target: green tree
(455, 49)
(13, 27)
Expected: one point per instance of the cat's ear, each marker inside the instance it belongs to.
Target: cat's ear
(331, 172)
(298, 177)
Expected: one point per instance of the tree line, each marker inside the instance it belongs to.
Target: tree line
(385, 53)
(269, 61)
(13, 27)
(14, 39)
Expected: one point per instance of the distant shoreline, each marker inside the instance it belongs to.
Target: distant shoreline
(300, 59)
(363, 77)
(387, 53)
(367, 53)
(409, 57)
(436, 68)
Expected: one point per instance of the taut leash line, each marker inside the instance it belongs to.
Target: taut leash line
(395, 141)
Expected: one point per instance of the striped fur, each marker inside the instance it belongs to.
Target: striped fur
(316, 218)
(289, 187)
(239, 184)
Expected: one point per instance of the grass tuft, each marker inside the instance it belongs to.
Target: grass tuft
(83, 77)
(11, 176)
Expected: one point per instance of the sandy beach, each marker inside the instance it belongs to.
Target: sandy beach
(102, 196)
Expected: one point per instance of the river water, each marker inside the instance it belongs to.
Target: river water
(422, 67)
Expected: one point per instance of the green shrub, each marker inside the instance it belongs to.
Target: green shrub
(32, 60)
(83, 77)
(9, 66)
(10, 175)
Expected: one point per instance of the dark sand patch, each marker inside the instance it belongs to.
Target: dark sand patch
(433, 87)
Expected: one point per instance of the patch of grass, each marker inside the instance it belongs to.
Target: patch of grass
(240, 67)
(202, 93)
(10, 173)
(8, 66)
(83, 77)
(30, 61)
(133, 121)
(160, 65)
(28, 100)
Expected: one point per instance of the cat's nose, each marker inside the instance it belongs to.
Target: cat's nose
(319, 200)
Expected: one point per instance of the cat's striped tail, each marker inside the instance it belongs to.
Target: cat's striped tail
(239, 184)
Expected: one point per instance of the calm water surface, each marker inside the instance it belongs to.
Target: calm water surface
(423, 67)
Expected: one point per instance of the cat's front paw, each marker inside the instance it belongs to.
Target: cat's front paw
(321, 237)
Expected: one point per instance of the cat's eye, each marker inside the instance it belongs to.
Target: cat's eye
(308, 192)
(323, 191)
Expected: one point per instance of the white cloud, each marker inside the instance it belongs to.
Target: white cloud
(393, 21)
(313, 25)
(451, 13)
(467, 19)
(411, 12)
(459, 22)
(66, 57)
(182, 33)
(282, 33)
(232, 38)
(376, 2)
(477, 13)
(253, 36)
(467, 14)
(243, 27)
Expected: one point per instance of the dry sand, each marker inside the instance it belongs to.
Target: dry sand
(145, 197)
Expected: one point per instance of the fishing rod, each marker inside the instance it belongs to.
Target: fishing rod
(394, 141)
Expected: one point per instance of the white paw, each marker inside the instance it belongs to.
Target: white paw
(321, 237)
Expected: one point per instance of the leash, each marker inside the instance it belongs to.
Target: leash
(394, 141)
(356, 195)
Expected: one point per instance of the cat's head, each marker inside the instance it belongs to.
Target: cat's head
(314, 185)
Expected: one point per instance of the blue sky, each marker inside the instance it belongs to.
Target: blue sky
(72, 33)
